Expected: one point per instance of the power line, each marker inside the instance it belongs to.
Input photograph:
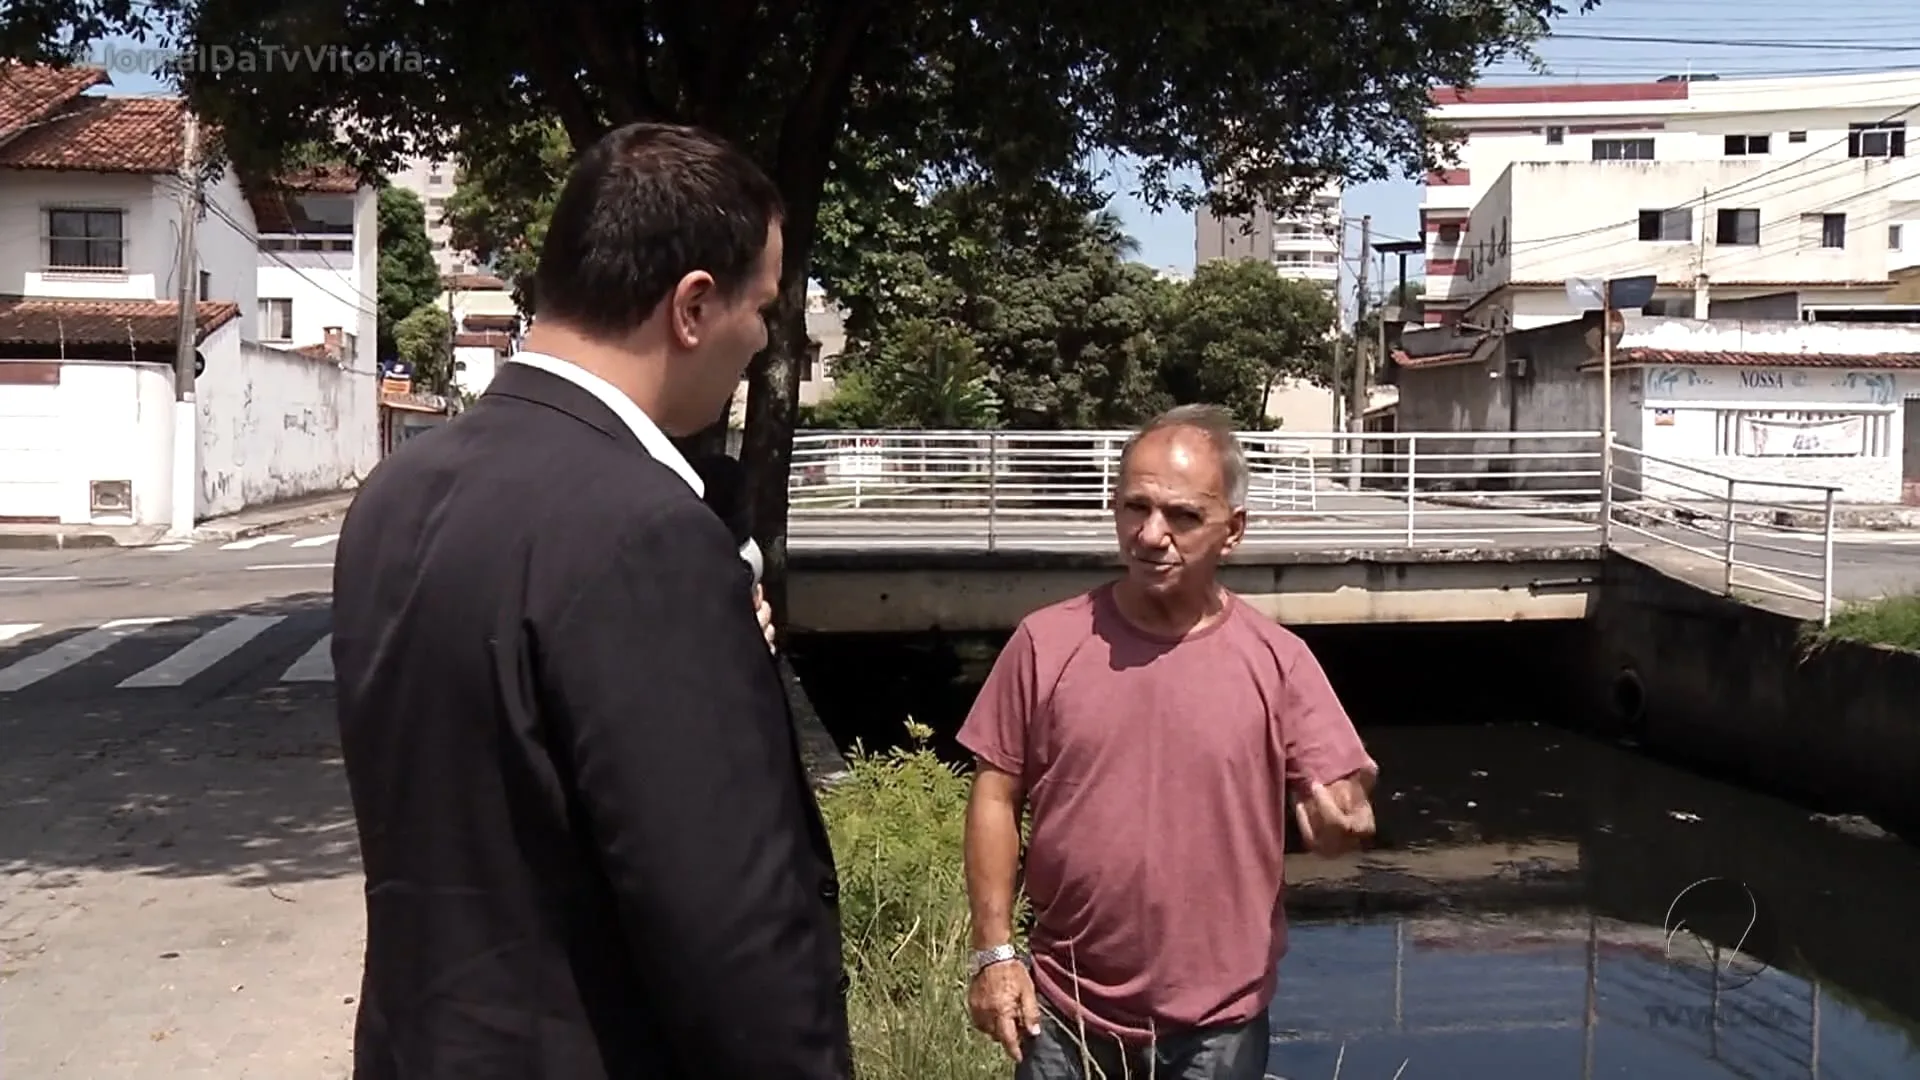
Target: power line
(1737, 43)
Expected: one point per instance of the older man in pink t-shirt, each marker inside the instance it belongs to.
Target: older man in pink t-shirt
(1158, 729)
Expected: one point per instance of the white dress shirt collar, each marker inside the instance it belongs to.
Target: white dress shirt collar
(651, 437)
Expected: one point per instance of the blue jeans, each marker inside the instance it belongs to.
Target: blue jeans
(1228, 1052)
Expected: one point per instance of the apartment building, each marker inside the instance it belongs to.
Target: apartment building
(433, 181)
(1752, 198)
(1303, 244)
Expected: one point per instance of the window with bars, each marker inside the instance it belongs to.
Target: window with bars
(86, 240)
(305, 243)
(1623, 149)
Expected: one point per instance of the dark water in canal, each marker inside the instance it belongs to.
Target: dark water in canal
(1513, 920)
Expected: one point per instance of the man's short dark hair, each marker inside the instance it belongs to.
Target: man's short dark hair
(642, 208)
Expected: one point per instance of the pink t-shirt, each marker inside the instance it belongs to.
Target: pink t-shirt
(1156, 772)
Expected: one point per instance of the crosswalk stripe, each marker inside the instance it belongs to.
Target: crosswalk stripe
(316, 541)
(9, 631)
(57, 658)
(169, 547)
(203, 652)
(254, 541)
(315, 665)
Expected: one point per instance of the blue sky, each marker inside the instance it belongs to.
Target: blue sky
(1624, 40)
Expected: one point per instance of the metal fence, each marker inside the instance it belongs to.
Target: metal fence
(1758, 546)
(1052, 491)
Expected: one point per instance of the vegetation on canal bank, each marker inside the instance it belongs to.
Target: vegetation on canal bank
(1893, 620)
(897, 820)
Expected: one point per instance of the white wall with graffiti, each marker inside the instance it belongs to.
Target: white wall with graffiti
(1811, 425)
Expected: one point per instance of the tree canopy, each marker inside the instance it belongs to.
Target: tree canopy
(408, 278)
(1056, 329)
(1264, 98)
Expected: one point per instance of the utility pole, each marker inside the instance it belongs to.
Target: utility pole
(1380, 353)
(1702, 296)
(186, 434)
(1357, 409)
(453, 328)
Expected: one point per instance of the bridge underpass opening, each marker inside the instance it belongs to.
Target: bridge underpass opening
(1511, 918)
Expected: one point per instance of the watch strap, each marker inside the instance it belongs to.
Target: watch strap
(986, 958)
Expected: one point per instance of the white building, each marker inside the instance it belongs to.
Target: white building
(317, 263)
(1747, 197)
(89, 249)
(434, 182)
(1812, 403)
(1302, 244)
(487, 327)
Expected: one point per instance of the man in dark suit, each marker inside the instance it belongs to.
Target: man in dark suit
(590, 847)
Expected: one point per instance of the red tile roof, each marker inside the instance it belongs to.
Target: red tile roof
(101, 134)
(30, 91)
(1644, 355)
(1401, 358)
(1562, 94)
(489, 339)
(33, 320)
(479, 324)
(472, 283)
(46, 123)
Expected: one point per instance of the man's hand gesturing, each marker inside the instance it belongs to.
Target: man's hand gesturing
(1003, 1004)
(1335, 818)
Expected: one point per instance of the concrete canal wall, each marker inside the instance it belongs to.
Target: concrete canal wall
(1734, 690)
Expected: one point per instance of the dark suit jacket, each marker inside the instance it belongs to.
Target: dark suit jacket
(590, 847)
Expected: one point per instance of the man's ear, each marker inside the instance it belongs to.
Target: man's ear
(1236, 528)
(690, 307)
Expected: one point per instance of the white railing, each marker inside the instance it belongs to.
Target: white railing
(1052, 491)
(1771, 546)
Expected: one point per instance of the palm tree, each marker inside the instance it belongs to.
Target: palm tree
(1106, 229)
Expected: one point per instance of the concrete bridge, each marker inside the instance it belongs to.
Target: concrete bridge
(897, 531)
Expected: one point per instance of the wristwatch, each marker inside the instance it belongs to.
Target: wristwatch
(986, 958)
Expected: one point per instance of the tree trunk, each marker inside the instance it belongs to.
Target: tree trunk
(766, 449)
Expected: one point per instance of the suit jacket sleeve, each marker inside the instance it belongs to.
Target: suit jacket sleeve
(666, 702)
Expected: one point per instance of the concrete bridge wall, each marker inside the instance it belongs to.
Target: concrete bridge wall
(1732, 689)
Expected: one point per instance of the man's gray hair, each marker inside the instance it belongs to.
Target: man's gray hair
(1214, 422)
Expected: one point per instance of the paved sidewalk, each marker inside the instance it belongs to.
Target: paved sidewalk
(246, 523)
(179, 892)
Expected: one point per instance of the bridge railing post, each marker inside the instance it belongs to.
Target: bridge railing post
(1413, 456)
(1826, 565)
(993, 486)
(1727, 558)
(1606, 491)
